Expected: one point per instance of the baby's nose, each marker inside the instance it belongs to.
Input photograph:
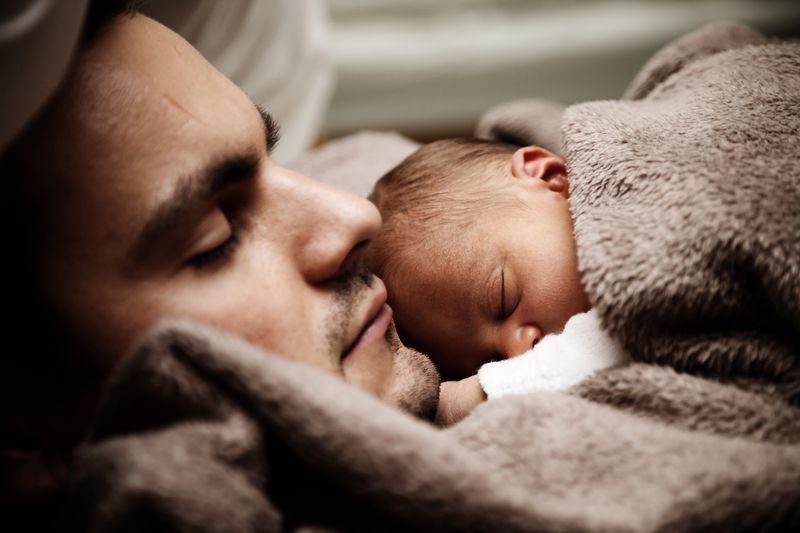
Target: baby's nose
(521, 339)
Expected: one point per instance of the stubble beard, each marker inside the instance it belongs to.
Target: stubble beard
(415, 380)
(348, 292)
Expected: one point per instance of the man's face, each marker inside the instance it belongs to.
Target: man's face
(164, 203)
(494, 289)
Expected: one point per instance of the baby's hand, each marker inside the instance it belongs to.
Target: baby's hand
(457, 399)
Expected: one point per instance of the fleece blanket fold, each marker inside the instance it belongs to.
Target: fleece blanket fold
(685, 199)
(201, 431)
(691, 253)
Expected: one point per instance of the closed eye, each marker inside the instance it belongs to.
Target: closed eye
(232, 208)
(217, 255)
(509, 297)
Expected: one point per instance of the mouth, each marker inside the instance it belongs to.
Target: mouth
(378, 317)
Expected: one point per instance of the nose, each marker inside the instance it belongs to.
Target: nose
(330, 228)
(517, 339)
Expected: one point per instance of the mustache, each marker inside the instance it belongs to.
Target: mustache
(349, 291)
(359, 280)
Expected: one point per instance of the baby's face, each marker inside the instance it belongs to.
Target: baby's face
(508, 280)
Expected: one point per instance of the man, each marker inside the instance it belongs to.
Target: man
(146, 190)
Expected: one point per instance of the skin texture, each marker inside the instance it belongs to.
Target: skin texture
(141, 112)
(457, 399)
(503, 283)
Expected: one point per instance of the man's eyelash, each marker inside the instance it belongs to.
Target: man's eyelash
(216, 255)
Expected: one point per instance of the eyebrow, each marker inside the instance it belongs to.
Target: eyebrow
(198, 187)
(189, 191)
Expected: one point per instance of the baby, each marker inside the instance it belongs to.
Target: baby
(479, 259)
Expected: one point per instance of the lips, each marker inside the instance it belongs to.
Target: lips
(377, 317)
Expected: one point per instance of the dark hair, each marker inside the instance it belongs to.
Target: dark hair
(101, 12)
(43, 353)
(448, 171)
(435, 190)
(35, 334)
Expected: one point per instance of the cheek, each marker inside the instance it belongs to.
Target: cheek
(421, 311)
(561, 287)
(99, 324)
(575, 294)
(262, 299)
(445, 339)
(413, 313)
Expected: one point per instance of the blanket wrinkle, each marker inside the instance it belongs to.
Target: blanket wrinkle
(521, 122)
(544, 461)
(749, 410)
(706, 41)
(155, 480)
(686, 214)
(685, 198)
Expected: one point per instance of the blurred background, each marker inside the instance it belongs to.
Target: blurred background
(429, 69)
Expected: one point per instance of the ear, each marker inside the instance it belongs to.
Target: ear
(535, 163)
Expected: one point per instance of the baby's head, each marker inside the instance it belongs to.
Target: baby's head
(477, 250)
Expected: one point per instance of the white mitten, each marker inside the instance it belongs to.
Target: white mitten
(557, 361)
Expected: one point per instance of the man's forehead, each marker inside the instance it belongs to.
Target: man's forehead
(139, 66)
(148, 47)
(141, 93)
(134, 116)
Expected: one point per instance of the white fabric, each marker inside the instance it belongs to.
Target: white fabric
(557, 362)
(37, 38)
(277, 51)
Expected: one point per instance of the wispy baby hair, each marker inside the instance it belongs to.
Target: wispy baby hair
(437, 187)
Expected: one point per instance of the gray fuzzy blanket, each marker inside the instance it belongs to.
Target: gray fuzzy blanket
(203, 432)
(685, 199)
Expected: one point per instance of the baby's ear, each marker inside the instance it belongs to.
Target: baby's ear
(535, 163)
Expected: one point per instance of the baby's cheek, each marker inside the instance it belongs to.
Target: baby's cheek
(459, 357)
(404, 325)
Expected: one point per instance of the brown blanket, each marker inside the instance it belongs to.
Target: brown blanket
(201, 431)
(686, 202)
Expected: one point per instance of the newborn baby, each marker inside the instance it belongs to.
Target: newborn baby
(479, 259)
